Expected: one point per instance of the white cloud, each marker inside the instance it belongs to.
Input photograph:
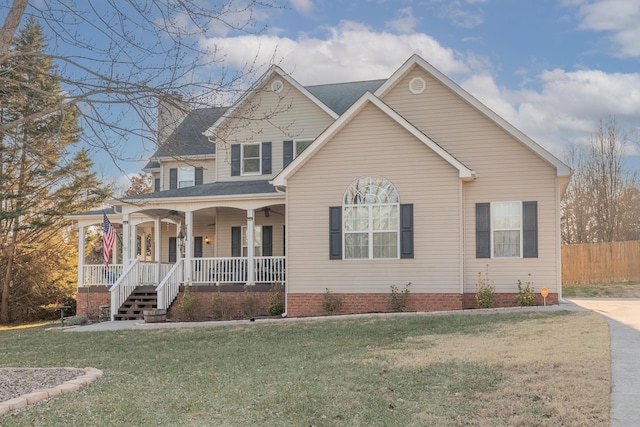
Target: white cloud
(555, 108)
(302, 6)
(404, 23)
(462, 13)
(350, 51)
(619, 18)
(567, 106)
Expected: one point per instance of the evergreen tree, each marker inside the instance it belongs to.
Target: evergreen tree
(41, 179)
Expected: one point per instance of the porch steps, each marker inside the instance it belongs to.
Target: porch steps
(142, 298)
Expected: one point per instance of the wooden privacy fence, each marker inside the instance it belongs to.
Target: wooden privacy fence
(601, 262)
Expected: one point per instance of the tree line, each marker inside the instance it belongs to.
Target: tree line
(602, 201)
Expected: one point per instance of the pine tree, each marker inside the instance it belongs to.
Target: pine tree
(42, 179)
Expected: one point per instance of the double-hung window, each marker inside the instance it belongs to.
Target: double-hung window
(257, 240)
(507, 230)
(300, 145)
(371, 219)
(186, 176)
(250, 160)
(506, 226)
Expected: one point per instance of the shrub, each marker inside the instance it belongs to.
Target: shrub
(331, 303)
(276, 300)
(526, 293)
(221, 306)
(249, 304)
(188, 305)
(398, 298)
(485, 290)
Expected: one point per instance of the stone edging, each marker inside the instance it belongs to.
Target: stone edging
(90, 374)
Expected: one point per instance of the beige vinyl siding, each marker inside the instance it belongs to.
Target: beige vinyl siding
(291, 115)
(374, 144)
(202, 227)
(507, 171)
(208, 170)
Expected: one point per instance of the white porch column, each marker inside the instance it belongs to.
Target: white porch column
(250, 246)
(126, 240)
(157, 233)
(188, 241)
(81, 243)
(133, 251)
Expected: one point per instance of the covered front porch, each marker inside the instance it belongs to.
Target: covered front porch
(162, 249)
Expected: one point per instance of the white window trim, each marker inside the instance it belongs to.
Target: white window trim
(295, 146)
(370, 231)
(507, 229)
(242, 171)
(183, 171)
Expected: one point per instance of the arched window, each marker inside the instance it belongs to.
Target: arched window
(371, 219)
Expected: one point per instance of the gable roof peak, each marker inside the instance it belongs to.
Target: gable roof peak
(416, 60)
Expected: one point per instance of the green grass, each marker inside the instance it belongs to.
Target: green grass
(630, 289)
(286, 374)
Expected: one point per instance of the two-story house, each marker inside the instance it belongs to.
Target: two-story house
(351, 187)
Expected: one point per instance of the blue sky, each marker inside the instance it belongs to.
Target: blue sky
(553, 68)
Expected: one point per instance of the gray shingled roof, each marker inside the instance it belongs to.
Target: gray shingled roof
(187, 139)
(211, 189)
(340, 96)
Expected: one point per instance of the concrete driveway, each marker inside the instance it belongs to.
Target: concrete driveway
(623, 316)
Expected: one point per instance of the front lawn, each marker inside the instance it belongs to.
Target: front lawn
(628, 289)
(528, 368)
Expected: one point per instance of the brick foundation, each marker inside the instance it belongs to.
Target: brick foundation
(233, 297)
(98, 295)
(507, 300)
(312, 304)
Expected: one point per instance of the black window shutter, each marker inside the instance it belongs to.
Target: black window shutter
(199, 176)
(406, 231)
(335, 232)
(284, 240)
(267, 240)
(197, 247)
(266, 158)
(483, 230)
(287, 153)
(172, 249)
(173, 178)
(235, 160)
(236, 241)
(530, 229)
(156, 184)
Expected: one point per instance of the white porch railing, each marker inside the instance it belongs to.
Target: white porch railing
(137, 273)
(101, 275)
(170, 286)
(269, 269)
(234, 270)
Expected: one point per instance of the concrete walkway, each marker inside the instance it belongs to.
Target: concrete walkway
(623, 316)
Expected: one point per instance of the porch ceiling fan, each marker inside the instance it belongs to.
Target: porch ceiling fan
(268, 211)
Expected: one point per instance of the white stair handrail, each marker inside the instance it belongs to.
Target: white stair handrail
(169, 287)
(123, 288)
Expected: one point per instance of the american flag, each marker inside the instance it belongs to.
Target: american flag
(108, 237)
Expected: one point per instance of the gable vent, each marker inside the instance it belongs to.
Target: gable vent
(417, 85)
(277, 86)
